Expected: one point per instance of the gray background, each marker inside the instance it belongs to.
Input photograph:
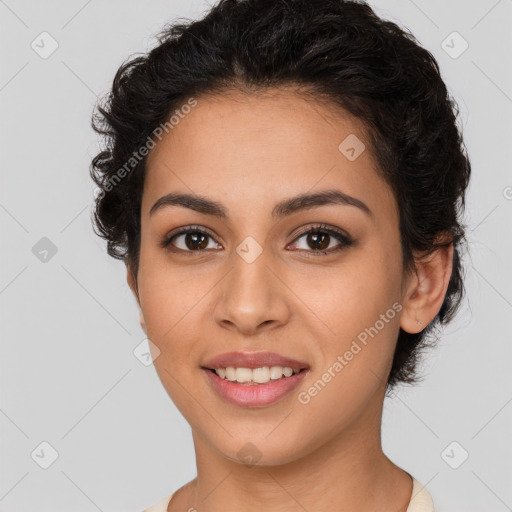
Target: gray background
(69, 325)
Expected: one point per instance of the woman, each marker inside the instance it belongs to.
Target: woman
(285, 183)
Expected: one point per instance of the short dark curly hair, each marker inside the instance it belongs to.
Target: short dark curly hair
(334, 50)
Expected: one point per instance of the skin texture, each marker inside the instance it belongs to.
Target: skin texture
(249, 152)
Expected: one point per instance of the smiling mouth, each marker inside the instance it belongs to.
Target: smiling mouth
(248, 393)
(257, 377)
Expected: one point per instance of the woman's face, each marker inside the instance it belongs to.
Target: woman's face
(254, 282)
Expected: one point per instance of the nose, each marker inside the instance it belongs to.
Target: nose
(252, 298)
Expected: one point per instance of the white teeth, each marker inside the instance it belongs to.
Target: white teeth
(276, 372)
(260, 375)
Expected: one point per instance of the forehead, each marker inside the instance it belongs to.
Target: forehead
(259, 123)
(276, 143)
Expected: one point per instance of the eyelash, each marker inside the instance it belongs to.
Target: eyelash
(345, 240)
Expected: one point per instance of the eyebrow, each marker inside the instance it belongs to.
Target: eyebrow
(282, 209)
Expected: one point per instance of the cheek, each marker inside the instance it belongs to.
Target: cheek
(359, 307)
(352, 295)
(163, 294)
(173, 301)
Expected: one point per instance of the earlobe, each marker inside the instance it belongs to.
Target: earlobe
(130, 279)
(427, 289)
(142, 321)
(133, 287)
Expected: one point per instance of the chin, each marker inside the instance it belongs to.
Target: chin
(263, 453)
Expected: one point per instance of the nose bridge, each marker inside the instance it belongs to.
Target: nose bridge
(251, 293)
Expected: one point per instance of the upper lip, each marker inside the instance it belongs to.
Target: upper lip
(253, 360)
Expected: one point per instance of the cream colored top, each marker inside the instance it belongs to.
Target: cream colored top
(421, 501)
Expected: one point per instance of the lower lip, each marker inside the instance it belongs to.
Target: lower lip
(257, 395)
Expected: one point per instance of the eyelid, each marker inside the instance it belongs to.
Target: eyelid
(324, 228)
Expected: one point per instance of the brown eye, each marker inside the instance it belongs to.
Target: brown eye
(189, 240)
(318, 240)
(322, 240)
(194, 241)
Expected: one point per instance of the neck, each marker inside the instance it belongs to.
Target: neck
(348, 472)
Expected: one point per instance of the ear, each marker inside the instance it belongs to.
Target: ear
(132, 283)
(426, 288)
